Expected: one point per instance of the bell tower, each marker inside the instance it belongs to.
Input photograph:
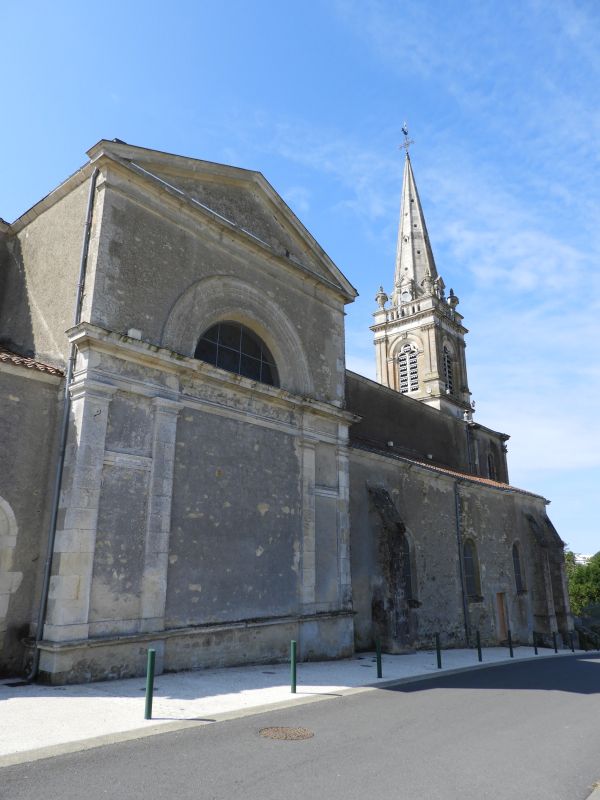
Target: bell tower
(418, 332)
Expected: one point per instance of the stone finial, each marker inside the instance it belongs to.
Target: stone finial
(453, 300)
(381, 298)
(439, 287)
(427, 283)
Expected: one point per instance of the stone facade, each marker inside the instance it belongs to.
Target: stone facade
(209, 514)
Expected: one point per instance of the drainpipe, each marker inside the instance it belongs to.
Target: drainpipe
(64, 430)
(460, 561)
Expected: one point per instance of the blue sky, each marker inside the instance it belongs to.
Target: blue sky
(502, 100)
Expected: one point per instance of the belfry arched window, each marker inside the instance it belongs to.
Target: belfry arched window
(448, 370)
(492, 472)
(471, 568)
(237, 349)
(519, 582)
(408, 368)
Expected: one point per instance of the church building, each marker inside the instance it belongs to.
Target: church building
(188, 465)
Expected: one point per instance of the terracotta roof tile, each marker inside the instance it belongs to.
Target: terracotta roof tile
(28, 363)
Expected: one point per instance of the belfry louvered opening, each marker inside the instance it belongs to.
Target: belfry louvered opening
(408, 367)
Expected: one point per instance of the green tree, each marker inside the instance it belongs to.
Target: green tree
(583, 581)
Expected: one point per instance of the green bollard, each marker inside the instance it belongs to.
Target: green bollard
(510, 647)
(571, 641)
(149, 684)
(479, 654)
(293, 666)
(438, 651)
(535, 647)
(554, 641)
(378, 654)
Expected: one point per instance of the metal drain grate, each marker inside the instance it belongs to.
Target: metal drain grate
(290, 734)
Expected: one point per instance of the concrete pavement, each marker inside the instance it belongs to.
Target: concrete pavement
(42, 721)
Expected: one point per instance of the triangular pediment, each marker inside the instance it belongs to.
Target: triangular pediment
(243, 198)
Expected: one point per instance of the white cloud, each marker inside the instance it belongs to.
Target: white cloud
(298, 199)
(363, 171)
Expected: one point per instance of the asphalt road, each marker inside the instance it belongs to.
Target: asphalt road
(526, 731)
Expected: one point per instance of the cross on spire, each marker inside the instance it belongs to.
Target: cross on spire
(407, 142)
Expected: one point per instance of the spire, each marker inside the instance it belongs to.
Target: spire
(419, 338)
(416, 274)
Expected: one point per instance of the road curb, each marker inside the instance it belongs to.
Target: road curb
(38, 754)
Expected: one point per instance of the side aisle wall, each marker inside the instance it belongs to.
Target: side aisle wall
(30, 402)
(436, 514)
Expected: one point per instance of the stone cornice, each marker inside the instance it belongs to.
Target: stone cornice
(161, 188)
(440, 320)
(144, 159)
(159, 358)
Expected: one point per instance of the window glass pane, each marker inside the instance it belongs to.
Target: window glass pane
(268, 374)
(230, 335)
(206, 351)
(228, 359)
(250, 367)
(212, 333)
(234, 348)
(250, 345)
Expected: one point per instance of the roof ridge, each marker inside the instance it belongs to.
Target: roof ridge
(506, 487)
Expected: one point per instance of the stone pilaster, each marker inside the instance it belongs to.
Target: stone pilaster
(70, 585)
(308, 526)
(343, 515)
(158, 523)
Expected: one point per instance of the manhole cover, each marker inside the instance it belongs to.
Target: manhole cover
(291, 734)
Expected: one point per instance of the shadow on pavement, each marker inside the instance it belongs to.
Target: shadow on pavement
(579, 674)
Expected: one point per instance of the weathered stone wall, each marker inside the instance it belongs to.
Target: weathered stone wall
(156, 271)
(193, 499)
(29, 403)
(439, 513)
(425, 504)
(236, 531)
(40, 282)
(417, 431)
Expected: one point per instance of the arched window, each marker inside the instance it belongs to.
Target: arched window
(471, 567)
(237, 349)
(448, 370)
(408, 368)
(519, 582)
(492, 472)
(407, 570)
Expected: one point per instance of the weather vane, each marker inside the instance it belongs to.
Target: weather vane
(407, 142)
